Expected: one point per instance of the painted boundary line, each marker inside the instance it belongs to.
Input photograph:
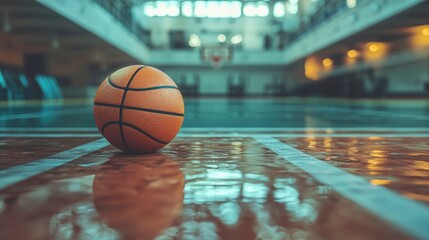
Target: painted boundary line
(228, 129)
(316, 129)
(13, 175)
(50, 135)
(223, 135)
(408, 215)
(301, 135)
(49, 129)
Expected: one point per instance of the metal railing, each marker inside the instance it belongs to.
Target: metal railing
(325, 11)
(121, 10)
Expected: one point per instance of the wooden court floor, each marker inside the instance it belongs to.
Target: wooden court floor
(324, 179)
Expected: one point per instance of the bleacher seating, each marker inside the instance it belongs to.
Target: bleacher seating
(16, 85)
(49, 86)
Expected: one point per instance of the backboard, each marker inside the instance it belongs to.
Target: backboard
(216, 55)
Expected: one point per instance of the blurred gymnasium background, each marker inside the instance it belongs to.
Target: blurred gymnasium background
(331, 48)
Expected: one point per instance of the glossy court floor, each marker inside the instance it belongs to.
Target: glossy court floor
(239, 169)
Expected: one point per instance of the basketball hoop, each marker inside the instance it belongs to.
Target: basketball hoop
(216, 55)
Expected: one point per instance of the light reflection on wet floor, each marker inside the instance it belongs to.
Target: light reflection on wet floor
(401, 164)
(208, 188)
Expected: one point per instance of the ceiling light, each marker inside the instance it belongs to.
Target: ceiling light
(279, 9)
(224, 9)
(161, 9)
(221, 38)
(237, 39)
(187, 9)
(213, 9)
(262, 10)
(249, 10)
(173, 11)
(327, 62)
(292, 6)
(235, 9)
(200, 9)
(194, 40)
(352, 53)
(351, 3)
(149, 10)
(373, 47)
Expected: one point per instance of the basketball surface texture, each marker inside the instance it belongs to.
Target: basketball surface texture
(138, 109)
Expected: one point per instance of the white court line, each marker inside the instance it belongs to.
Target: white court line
(408, 215)
(289, 129)
(15, 174)
(237, 129)
(301, 135)
(49, 129)
(224, 135)
(50, 135)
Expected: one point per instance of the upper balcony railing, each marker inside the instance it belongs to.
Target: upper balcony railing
(310, 14)
(122, 11)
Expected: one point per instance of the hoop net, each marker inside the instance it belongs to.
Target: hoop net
(216, 62)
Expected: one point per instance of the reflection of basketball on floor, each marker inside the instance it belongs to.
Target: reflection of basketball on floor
(139, 196)
(138, 109)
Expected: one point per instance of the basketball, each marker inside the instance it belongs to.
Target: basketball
(138, 109)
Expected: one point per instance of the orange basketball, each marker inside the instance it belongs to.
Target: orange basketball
(138, 109)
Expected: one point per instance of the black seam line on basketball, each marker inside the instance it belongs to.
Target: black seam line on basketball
(122, 104)
(133, 127)
(139, 109)
(140, 89)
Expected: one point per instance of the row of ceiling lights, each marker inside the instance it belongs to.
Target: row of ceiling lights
(313, 67)
(373, 51)
(218, 9)
(224, 9)
(353, 53)
(195, 41)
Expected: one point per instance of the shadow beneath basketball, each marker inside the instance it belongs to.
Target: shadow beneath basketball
(138, 195)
